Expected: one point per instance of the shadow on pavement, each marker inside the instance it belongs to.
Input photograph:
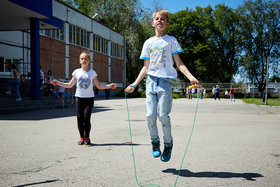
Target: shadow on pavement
(115, 144)
(36, 183)
(210, 174)
(48, 114)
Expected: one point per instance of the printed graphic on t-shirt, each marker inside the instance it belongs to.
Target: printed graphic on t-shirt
(84, 82)
(157, 52)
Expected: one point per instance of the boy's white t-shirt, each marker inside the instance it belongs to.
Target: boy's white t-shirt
(160, 51)
(84, 83)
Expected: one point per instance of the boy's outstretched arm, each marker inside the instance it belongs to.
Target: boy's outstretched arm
(185, 70)
(141, 75)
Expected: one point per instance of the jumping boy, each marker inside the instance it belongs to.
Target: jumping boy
(158, 53)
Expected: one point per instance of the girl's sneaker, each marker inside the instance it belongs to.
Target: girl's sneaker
(156, 148)
(87, 141)
(166, 155)
(81, 142)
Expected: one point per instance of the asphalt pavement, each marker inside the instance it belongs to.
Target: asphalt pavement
(233, 144)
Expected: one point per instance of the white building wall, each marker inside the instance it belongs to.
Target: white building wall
(59, 10)
(116, 38)
(100, 30)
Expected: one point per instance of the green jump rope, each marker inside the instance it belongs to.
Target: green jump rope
(134, 166)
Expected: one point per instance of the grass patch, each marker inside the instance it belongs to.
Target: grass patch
(258, 101)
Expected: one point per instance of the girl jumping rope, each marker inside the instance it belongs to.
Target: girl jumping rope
(158, 53)
(84, 77)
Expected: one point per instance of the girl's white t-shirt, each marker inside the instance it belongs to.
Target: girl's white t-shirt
(84, 83)
(159, 50)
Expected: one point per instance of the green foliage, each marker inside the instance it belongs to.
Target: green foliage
(143, 93)
(260, 26)
(208, 95)
(274, 79)
(210, 41)
(175, 96)
(259, 101)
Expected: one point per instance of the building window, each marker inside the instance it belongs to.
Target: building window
(54, 33)
(6, 62)
(78, 36)
(100, 44)
(116, 50)
(87, 38)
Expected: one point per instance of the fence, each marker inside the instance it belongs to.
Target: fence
(241, 89)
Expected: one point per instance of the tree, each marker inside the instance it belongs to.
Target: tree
(210, 41)
(260, 25)
(274, 79)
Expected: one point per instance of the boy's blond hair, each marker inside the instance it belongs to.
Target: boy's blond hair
(162, 12)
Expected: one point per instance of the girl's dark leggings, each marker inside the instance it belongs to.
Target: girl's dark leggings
(83, 109)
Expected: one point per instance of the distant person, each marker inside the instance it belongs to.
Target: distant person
(213, 92)
(42, 76)
(193, 92)
(226, 93)
(48, 82)
(231, 94)
(217, 92)
(202, 93)
(158, 53)
(15, 81)
(263, 97)
(189, 93)
(107, 92)
(84, 77)
(61, 95)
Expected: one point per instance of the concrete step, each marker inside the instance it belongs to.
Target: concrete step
(8, 104)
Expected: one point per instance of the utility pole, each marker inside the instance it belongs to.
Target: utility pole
(267, 59)
(253, 88)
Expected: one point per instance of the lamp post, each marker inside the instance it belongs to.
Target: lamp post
(94, 15)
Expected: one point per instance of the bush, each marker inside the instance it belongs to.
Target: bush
(175, 96)
(143, 94)
(208, 95)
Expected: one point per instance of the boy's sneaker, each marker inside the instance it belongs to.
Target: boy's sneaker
(81, 142)
(19, 99)
(156, 148)
(8, 92)
(166, 155)
(87, 141)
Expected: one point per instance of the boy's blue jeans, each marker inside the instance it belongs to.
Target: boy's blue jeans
(159, 103)
(16, 82)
